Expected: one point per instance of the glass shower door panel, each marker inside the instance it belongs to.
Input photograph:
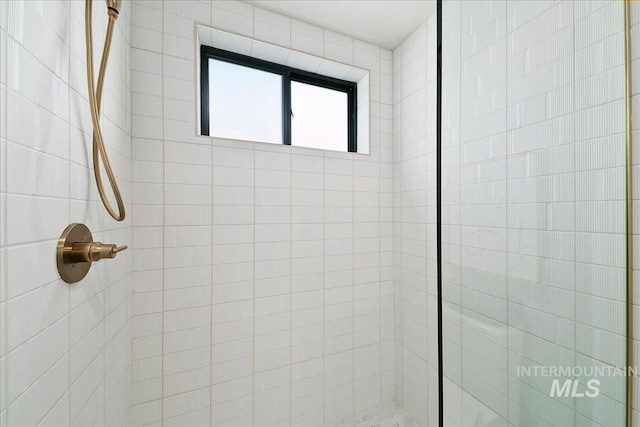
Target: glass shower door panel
(533, 215)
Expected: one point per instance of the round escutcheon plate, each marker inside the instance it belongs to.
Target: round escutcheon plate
(72, 272)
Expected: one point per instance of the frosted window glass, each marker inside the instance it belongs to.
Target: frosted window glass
(244, 103)
(320, 117)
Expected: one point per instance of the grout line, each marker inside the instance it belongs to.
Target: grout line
(212, 260)
(290, 268)
(164, 223)
(253, 278)
(69, 18)
(353, 279)
(380, 370)
(324, 198)
(575, 250)
(506, 192)
(400, 281)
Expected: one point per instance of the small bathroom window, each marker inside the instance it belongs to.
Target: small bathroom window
(251, 99)
(319, 117)
(244, 103)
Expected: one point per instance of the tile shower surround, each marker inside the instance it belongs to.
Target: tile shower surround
(264, 284)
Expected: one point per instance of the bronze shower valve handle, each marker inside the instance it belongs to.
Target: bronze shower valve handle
(95, 251)
(77, 250)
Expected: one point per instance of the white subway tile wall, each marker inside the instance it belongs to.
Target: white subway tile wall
(262, 274)
(533, 207)
(414, 224)
(65, 352)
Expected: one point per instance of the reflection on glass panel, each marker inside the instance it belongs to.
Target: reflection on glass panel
(320, 117)
(244, 103)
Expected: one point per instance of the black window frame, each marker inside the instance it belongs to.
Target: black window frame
(288, 74)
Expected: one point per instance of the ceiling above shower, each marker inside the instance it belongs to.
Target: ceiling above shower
(381, 22)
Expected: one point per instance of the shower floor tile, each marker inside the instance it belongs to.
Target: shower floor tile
(388, 415)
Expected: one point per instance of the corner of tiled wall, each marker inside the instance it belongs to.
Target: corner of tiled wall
(415, 269)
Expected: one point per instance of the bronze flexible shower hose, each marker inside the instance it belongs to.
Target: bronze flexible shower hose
(95, 100)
